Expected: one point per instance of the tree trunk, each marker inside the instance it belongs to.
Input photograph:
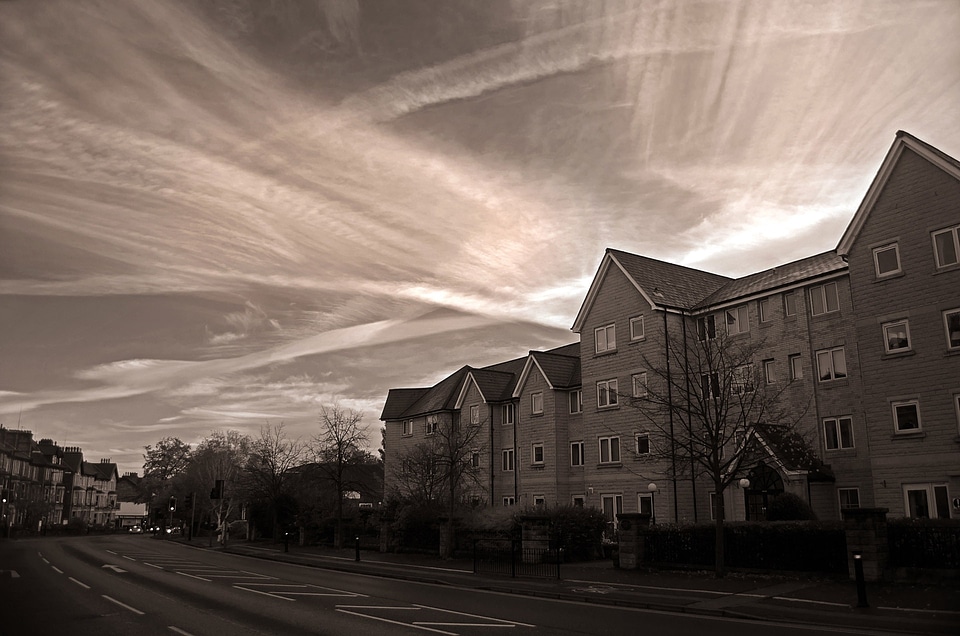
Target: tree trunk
(338, 536)
(719, 564)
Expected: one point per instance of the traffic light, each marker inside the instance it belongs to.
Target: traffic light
(173, 504)
(188, 501)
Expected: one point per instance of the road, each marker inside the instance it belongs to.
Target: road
(120, 585)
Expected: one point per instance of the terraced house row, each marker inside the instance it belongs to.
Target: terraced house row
(861, 346)
(44, 484)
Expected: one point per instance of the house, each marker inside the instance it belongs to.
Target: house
(860, 345)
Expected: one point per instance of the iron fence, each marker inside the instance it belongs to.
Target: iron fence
(915, 544)
(511, 558)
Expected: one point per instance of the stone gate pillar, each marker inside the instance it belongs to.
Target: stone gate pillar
(866, 532)
(632, 528)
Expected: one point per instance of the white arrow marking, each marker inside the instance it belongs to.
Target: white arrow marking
(115, 568)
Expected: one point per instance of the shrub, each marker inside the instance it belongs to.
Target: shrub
(789, 507)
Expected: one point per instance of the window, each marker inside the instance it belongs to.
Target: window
(509, 413)
(509, 501)
(769, 372)
(951, 321)
(886, 259)
(605, 338)
(831, 364)
(536, 403)
(606, 393)
(946, 246)
(639, 381)
(432, 425)
(823, 299)
(849, 497)
(539, 500)
(507, 457)
(645, 504)
(765, 310)
(612, 505)
(790, 304)
(838, 433)
(742, 380)
(576, 401)
(906, 416)
(578, 501)
(537, 453)
(737, 320)
(407, 428)
(643, 444)
(926, 501)
(796, 367)
(609, 450)
(576, 453)
(475, 459)
(710, 385)
(706, 328)
(475, 414)
(636, 328)
(896, 336)
(713, 506)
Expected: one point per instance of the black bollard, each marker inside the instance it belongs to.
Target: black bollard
(286, 541)
(861, 585)
(357, 557)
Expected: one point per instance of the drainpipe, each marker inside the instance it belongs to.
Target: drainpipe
(686, 373)
(673, 441)
(516, 459)
(491, 456)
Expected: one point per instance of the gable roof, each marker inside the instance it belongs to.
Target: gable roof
(560, 371)
(399, 400)
(663, 285)
(902, 141)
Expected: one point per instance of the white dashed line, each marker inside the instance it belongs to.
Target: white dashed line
(83, 585)
(56, 569)
(123, 605)
(199, 578)
(178, 630)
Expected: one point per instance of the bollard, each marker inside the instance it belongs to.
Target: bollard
(357, 557)
(286, 541)
(861, 585)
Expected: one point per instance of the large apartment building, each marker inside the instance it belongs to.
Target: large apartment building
(860, 344)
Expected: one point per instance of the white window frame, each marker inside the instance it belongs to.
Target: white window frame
(575, 401)
(577, 453)
(645, 500)
(896, 419)
(833, 429)
(646, 443)
(407, 430)
(706, 327)
(509, 412)
(877, 251)
(743, 380)
(432, 425)
(610, 441)
(887, 336)
(848, 506)
(820, 294)
(605, 338)
(578, 501)
(827, 364)
(737, 320)
(953, 344)
(536, 446)
(765, 309)
(639, 383)
(954, 233)
(475, 459)
(509, 501)
(796, 366)
(507, 460)
(474, 413)
(930, 490)
(769, 372)
(616, 509)
(790, 303)
(607, 394)
(539, 500)
(536, 403)
(635, 332)
(710, 385)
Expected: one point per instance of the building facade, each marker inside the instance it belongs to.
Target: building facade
(860, 347)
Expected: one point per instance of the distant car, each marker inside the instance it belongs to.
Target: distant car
(135, 529)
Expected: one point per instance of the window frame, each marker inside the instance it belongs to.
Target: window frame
(897, 428)
(790, 304)
(609, 439)
(539, 501)
(406, 428)
(765, 310)
(886, 336)
(710, 385)
(848, 506)
(607, 385)
(508, 413)
(637, 449)
(742, 379)
(947, 314)
(837, 433)
(645, 498)
(633, 334)
(831, 353)
(819, 293)
(578, 501)
(795, 361)
(509, 500)
(930, 490)
(741, 319)
(535, 408)
(431, 425)
(607, 331)
(876, 260)
(533, 453)
(769, 373)
(616, 508)
(475, 459)
(577, 455)
(507, 460)
(474, 413)
(575, 401)
(954, 233)
(706, 328)
(640, 376)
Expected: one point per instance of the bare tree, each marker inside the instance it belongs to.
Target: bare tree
(220, 456)
(338, 446)
(709, 408)
(268, 474)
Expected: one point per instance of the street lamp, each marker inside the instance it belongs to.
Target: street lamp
(744, 483)
(652, 487)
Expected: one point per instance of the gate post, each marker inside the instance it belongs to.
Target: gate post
(866, 532)
(632, 527)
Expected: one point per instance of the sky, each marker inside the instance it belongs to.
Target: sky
(223, 214)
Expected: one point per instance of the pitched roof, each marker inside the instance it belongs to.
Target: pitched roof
(399, 400)
(902, 141)
(561, 371)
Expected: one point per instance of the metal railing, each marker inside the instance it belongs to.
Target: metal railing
(514, 560)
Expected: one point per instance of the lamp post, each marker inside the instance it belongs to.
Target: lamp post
(652, 487)
(744, 484)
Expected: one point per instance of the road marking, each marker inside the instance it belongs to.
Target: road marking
(239, 587)
(152, 565)
(123, 605)
(194, 577)
(56, 569)
(111, 552)
(13, 573)
(415, 623)
(488, 618)
(340, 608)
(83, 585)
(44, 560)
(178, 630)
(808, 600)
(115, 568)
(129, 558)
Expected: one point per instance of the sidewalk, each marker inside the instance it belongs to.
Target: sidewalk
(897, 608)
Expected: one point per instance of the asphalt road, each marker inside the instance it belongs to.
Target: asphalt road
(121, 585)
